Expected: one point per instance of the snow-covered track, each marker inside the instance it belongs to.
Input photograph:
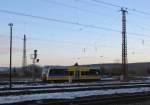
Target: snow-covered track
(69, 88)
(22, 82)
(63, 85)
(96, 100)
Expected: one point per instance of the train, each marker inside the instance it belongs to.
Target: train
(71, 73)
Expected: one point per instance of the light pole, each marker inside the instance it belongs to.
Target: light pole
(10, 82)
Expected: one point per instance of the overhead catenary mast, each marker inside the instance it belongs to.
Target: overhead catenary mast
(24, 60)
(124, 46)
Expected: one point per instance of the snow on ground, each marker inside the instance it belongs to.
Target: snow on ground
(145, 80)
(136, 81)
(56, 84)
(68, 95)
(52, 84)
(38, 85)
(108, 78)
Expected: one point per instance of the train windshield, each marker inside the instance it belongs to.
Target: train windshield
(45, 70)
(58, 72)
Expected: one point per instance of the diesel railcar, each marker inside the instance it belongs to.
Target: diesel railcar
(70, 73)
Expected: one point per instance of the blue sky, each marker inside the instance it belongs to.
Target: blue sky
(64, 44)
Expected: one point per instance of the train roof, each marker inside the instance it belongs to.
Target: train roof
(94, 67)
(66, 67)
(56, 67)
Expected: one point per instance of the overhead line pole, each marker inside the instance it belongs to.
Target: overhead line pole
(124, 46)
(24, 62)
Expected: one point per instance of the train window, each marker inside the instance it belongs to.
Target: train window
(71, 73)
(58, 72)
(94, 72)
(84, 72)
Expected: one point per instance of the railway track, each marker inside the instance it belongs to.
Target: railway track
(48, 85)
(22, 82)
(47, 82)
(88, 90)
(73, 88)
(96, 100)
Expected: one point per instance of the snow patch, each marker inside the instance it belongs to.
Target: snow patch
(69, 95)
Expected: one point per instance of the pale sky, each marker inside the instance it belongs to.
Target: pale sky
(64, 44)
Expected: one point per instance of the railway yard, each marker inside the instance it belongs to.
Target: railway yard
(98, 93)
(74, 52)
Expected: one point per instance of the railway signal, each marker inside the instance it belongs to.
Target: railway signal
(35, 54)
(35, 60)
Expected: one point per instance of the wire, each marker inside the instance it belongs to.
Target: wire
(57, 20)
(74, 7)
(106, 3)
(138, 11)
(50, 40)
(118, 6)
(68, 42)
(68, 22)
(70, 6)
(56, 41)
(17, 37)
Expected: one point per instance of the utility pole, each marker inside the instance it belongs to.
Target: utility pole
(10, 65)
(24, 60)
(124, 46)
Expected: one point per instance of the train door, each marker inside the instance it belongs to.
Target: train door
(77, 73)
